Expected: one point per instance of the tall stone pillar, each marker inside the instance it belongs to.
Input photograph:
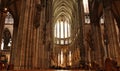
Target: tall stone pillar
(118, 48)
(2, 22)
(113, 44)
(97, 50)
(97, 43)
(81, 38)
(14, 37)
(33, 37)
(111, 34)
(23, 49)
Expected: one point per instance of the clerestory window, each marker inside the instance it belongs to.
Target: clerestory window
(86, 7)
(62, 32)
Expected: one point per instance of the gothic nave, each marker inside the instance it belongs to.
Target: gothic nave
(60, 34)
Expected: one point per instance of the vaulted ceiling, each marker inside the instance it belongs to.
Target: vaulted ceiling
(96, 9)
(63, 9)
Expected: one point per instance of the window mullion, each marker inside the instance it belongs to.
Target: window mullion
(55, 33)
(67, 32)
(59, 31)
(64, 32)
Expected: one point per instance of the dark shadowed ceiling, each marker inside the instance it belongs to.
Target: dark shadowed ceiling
(63, 8)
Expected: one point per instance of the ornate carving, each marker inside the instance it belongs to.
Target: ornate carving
(6, 38)
(37, 16)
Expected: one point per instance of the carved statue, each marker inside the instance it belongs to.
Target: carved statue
(6, 38)
(37, 16)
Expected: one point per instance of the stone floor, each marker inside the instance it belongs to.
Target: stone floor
(47, 70)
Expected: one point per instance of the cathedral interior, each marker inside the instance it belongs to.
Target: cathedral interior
(60, 34)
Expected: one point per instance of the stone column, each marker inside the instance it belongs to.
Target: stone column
(118, 24)
(44, 43)
(97, 42)
(81, 38)
(14, 37)
(2, 22)
(25, 40)
(97, 50)
(113, 44)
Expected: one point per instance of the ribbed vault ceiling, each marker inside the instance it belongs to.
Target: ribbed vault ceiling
(63, 9)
